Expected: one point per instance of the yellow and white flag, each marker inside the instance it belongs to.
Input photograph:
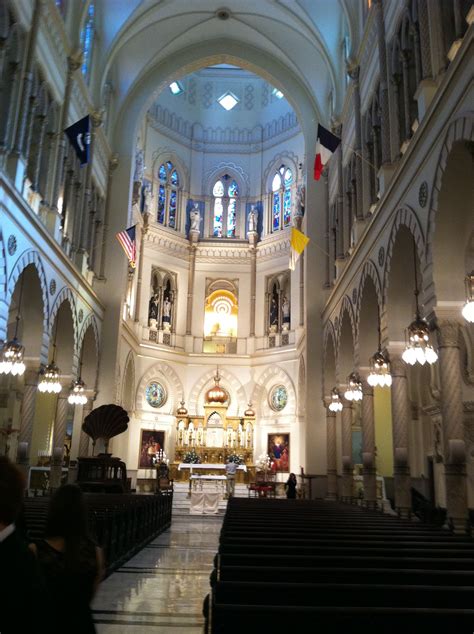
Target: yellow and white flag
(298, 242)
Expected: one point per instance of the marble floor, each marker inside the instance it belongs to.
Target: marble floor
(162, 588)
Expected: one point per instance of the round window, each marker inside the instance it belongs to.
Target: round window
(278, 398)
(155, 394)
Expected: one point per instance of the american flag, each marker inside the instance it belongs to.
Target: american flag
(128, 243)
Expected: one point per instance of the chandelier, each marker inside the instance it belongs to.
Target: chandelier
(468, 308)
(49, 379)
(379, 374)
(77, 395)
(335, 405)
(11, 354)
(418, 347)
(354, 390)
(49, 374)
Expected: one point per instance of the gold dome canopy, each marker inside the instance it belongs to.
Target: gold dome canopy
(181, 411)
(216, 394)
(249, 411)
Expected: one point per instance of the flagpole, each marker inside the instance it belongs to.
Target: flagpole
(357, 153)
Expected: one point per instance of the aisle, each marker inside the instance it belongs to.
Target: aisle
(162, 588)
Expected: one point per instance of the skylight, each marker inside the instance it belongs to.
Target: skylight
(277, 93)
(176, 88)
(228, 101)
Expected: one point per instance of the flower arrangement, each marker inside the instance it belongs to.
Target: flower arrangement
(263, 462)
(236, 458)
(191, 457)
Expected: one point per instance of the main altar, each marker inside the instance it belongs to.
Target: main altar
(203, 444)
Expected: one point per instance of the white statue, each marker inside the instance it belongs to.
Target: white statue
(139, 165)
(149, 199)
(253, 218)
(300, 201)
(166, 308)
(285, 309)
(195, 217)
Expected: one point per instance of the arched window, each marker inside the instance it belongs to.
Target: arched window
(87, 40)
(168, 186)
(225, 193)
(281, 198)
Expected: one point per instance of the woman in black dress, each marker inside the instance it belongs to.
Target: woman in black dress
(290, 486)
(70, 563)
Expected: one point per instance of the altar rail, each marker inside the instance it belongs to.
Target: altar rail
(340, 568)
(120, 524)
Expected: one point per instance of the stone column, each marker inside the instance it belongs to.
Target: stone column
(84, 438)
(452, 420)
(331, 453)
(368, 446)
(359, 209)
(60, 150)
(27, 79)
(28, 406)
(385, 118)
(401, 416)
(193, 239)
(59, 430)
(340, 202)
(252, 236)
(138, 298)
(298, 221)
(105, 225)
(346, 450)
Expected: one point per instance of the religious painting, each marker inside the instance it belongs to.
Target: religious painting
(151, 442)
(155, 394)
(279, 452)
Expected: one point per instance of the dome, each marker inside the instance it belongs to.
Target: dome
(216, 394)
(181, 411)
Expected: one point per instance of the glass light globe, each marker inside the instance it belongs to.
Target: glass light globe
(335, 405)
(468, 311)
(431, 355)
(49, 381)
(77, 395)
(11, 358)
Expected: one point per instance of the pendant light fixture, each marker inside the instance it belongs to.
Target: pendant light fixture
(49, 375)
(354, 390)
(418, 347)
(77, 395)
(335, 405)
(379, 374)
(468, 308)
(12, 352)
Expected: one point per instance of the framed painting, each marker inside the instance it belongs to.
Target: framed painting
(151, 441)
(278, 449)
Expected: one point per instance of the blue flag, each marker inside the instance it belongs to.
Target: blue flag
(79, 136)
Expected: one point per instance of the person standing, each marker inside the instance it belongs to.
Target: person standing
(290, 486)
(70, 563)
(230, 471)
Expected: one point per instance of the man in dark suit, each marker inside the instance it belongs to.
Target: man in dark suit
(22, 606)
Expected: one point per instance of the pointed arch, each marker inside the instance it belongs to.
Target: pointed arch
(271, 377)
(236, 391)
(165, 373)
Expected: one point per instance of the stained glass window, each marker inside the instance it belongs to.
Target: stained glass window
(281, 198)
(87, 40)
(169, 182)
(278, 398)
(225, 192)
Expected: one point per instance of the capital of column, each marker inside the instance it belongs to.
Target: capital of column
(113, 162)
(353, 70)
(74, 61)
(448, 333)
(97, 118)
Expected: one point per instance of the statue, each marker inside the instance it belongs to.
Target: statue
(167, 314)
(153, 311)
(139, 165)
(148, 195)
(300, 201)
(195, 217)
(253, 218)
(273, 314)
(285, 309)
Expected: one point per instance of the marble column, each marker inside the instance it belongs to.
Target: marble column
(452, 420)
(113, 163)
(401, 416)
(138, 298)
(59, 430)
(346, 450)
(84, 438)
(331, 453)
(252, 237)
(382, 53)
(368, 446)
(359, 209)
(28, 406)
(193, 239)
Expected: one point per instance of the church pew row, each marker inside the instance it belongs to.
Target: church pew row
(121, 524)
(339, 566)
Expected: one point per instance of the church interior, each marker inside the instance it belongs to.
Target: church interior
(157, 165)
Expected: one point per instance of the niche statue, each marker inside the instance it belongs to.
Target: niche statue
(285, 309)
(253, 218)
(167, 314)
(195, 218)
(153, 311)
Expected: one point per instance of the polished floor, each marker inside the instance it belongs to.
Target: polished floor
(162, 588)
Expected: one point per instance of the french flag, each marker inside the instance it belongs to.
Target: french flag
(326, 145)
